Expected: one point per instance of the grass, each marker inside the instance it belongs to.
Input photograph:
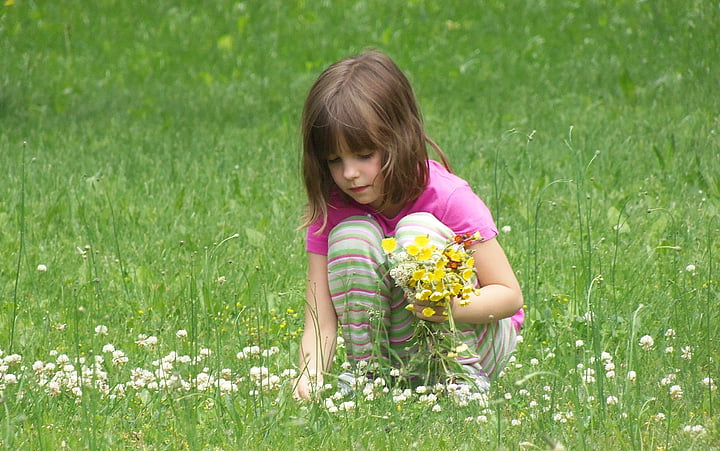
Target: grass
(150, 163)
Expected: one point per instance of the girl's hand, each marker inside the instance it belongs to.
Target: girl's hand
(304, 387)
(420, 309)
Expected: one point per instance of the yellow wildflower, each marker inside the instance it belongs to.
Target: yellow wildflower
(426, 253)
(389, 245)
(428, 312)
(422, 240)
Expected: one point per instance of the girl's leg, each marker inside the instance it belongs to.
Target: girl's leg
(363, 294)
(493, 342)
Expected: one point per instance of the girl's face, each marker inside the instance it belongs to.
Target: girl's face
(358, 175)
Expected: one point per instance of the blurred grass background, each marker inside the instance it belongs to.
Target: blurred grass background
(155, 130)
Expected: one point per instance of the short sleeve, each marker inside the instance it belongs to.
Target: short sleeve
(465, 212)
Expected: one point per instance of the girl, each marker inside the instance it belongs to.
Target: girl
(367, 176)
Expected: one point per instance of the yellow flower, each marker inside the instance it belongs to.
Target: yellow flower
(423, 295)
(470, 262)
(456, 288)
(422, 240)
(412, 250)
(389, 245)
(419, 274)
(461, 348)
(437, 275)
(437, 296)
(428, 312)
(467, 274)
(426, 253)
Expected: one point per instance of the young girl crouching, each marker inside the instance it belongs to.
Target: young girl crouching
(368, 177)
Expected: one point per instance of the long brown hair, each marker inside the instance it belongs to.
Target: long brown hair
(364, 102)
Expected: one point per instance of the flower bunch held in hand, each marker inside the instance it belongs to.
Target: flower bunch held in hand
(433, 276)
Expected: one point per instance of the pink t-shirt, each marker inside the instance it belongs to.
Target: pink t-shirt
(447, 197)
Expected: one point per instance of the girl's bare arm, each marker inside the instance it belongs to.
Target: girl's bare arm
(317, 347)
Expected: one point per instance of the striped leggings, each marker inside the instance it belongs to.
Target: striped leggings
(370, 307)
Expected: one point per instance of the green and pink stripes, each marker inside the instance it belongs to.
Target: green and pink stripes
(371, 309)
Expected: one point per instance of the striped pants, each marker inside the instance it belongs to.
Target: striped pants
(370, 307)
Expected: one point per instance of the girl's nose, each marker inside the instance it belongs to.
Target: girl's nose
(350, 171)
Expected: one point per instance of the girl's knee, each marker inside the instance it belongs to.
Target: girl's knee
(422, 224)
(357, 234)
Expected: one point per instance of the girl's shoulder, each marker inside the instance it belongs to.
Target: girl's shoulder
(442, 182)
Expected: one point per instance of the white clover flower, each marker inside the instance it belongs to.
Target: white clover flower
(669, 350)
(631, 376)
(670, 333)
(436, 408)
(101, 330)
(109, 348)
(515, 422)
(606, 357)
(506, 229)
(676, 392)
(221, 280)
(690, 268)
(519, 339)
(646, 342)
(579, 343)
(695, 431)
(588, 376)
(181, 334)
(687, 352)
(660, 416)
(42, 268)
(708, 382)
(612, 400)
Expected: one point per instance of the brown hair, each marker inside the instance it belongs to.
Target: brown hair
(364, 102)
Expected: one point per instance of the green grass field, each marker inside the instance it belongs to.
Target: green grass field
(151, 272)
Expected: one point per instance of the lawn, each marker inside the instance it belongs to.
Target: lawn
(151, 269)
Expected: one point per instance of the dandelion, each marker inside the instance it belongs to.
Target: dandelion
(646, 342)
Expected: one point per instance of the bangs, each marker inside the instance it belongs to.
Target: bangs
(349, 126)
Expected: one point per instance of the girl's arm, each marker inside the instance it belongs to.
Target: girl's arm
(500, 295)
(317, 346)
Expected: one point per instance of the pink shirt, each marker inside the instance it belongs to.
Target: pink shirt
(447, 197)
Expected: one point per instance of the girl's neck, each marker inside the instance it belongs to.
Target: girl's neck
(392, 211)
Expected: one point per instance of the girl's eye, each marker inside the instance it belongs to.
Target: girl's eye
(366, 156)
(333, 160)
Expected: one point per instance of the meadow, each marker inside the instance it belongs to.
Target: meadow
(151, 269)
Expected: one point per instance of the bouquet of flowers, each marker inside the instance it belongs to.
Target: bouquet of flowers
(435, 277)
